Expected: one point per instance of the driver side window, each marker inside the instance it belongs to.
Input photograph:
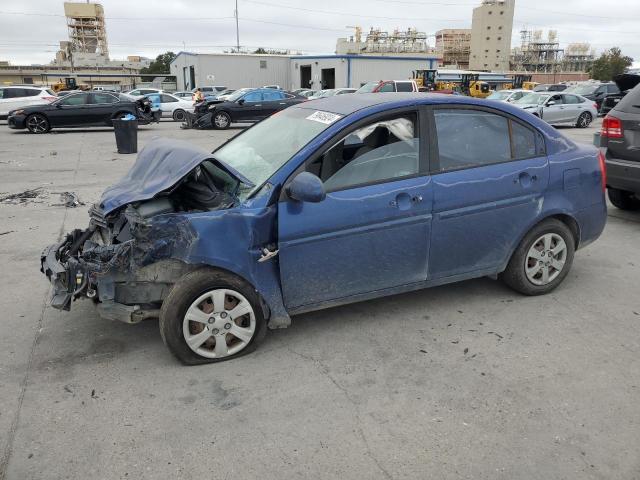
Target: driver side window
(384, 150)
(74, 100)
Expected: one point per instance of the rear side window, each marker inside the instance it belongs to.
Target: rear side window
(167, 99)
(103, 98)
(572, 99)
(30, 92)
(630, 103)
(474, 138)
(271, 96)
(404, 86)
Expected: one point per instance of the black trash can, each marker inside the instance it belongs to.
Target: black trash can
(126, 135)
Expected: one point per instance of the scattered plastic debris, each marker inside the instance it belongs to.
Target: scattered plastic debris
(21, 197)
(69, 200)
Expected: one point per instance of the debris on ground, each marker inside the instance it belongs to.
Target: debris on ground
(8, 231)
(21, 197)
(68, 199)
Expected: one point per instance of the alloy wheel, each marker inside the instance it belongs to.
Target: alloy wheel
(584, 120)
(37, 124)
(221, 120)
(219, 323)
(546, 259)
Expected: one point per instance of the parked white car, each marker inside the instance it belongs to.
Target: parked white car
(18, 96)
(184, 95)
(560, 108)
(171, 106)
(508, 95)
(141, 92)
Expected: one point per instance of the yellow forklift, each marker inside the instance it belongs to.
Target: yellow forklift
(425, 79)
(523, 81)
(471, 85)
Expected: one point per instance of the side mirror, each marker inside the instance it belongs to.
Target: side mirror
(241, 101)
(306, 187)
(550, 102)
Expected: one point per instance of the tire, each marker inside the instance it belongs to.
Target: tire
(179, 115)
(525, 271)
(584, 120)
(623, 199)
(197, 292)
(221, 120)
(37, 123)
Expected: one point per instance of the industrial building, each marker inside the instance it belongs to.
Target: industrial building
(291, 72)
(454, 46)
(491, 28)
(408, 42)
(537, 54)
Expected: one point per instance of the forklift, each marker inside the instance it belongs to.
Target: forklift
(523, 82)
(425, 79)
(471, 85)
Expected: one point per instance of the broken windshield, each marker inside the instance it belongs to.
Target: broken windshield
(260, 151)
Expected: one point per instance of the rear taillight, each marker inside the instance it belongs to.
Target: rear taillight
(603, 170)
(611, 127)
(595, 105)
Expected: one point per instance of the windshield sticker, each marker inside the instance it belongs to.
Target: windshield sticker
(324, 117)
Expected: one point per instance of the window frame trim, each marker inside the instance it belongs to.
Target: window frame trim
(434, 167)
(423, 153)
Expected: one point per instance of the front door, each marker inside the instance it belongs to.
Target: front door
(490, 173)
(372, 230)
(70, 111)
(556, 113)
(250, 108)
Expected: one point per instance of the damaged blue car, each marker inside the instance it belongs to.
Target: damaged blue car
(328, 202)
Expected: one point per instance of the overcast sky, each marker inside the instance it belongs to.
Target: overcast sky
(148, 27)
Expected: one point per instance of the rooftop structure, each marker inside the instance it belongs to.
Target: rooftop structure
(539, 54)
(380, 42)
(454, 44)
(491, 35)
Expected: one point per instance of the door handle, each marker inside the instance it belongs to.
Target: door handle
(525, 180)
(404, 201)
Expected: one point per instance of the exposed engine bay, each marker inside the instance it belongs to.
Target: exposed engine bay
(129, 255)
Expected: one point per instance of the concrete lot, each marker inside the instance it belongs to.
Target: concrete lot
(549, 387)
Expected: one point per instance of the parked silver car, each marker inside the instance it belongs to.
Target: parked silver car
(508, 95)
(560, 108)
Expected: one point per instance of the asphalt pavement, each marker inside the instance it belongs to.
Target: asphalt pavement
(466, 381)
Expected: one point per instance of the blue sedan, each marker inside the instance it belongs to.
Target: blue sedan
(329, 202)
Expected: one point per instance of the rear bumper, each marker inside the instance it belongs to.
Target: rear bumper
(591, 222)
(623, 174)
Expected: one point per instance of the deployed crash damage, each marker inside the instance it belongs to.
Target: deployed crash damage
(140, 238)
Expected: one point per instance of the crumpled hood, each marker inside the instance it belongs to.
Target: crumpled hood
(159, 166)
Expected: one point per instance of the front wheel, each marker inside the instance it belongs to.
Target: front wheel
(37, 123)
(179, 116)
(211, 316)
(542, 260)
(623, 199)
(584, 120)
(221, 120)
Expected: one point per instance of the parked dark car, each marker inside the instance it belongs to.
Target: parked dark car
(620, 144)
(247, 106)
(625, 83)
(550, 87)
(337, 200)
(594, 91)
(82, 109)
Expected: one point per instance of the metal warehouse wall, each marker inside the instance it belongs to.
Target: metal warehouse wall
(317, 64)
(370, 70)
(233, 71)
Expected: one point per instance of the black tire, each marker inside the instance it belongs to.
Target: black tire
(623, 199)
(179, 115)
(185, 292)
(584, 120)
(37, 123)
(515, 275)
(221, 120)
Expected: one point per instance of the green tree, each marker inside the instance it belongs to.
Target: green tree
(609, 64)
(160, 64)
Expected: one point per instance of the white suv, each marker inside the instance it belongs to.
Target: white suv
(18, 96)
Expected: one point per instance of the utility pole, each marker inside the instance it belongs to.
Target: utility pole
(237, 30)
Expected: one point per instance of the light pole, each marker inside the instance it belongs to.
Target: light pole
(237, 30)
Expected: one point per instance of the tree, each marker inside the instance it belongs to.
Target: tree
(610, 64)
(160, 64)
(270, 51)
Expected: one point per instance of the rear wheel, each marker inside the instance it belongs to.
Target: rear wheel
(542, 260)
(623, 199)
(179, 116)
(221, 120)
(211, 316)
(584, 120)
(37, 123)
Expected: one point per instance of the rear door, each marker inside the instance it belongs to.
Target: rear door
(489, 175)
(100, 108)
(372, 230)
(272, 101)
(168, 104)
